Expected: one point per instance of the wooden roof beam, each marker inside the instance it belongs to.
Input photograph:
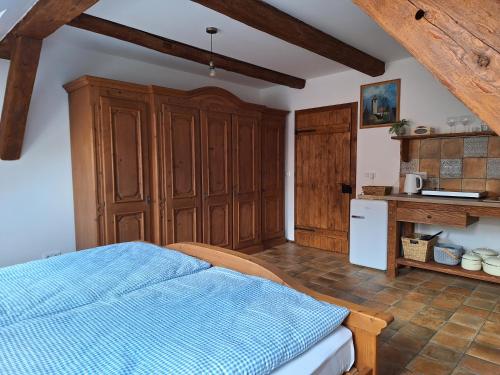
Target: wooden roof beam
(266, 18)
(182, 50)
(459, 44)
(22, 46)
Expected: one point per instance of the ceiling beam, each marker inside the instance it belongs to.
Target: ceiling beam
(266, 18)
(182, 50)
(22, 45)
(25, 55)
(43, 19)
(460, 45)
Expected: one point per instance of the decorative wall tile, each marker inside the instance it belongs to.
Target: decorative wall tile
(431, 166)
(494, 147)
(453, 184)
(475, 147)
(493, 188)
(452, 148)
(493, 168)
(409, 167)
(451, 168)
(430, 149)
(475, 167)
(474, 184)
(431, 183)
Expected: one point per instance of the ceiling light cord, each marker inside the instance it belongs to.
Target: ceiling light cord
(211, 65)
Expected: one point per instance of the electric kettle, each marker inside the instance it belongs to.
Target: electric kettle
(413, 183)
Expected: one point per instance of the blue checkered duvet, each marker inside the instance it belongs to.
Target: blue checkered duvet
(76, 279)
(211, 321)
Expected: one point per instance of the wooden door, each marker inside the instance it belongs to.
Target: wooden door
(217, 178)
(179, 164)
(125, 159)
(273, 173)
(324, 176)
(246, 181)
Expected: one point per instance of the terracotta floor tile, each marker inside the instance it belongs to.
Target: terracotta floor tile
(376, 305)
(459, 330)
(487, 353)
(485, 295)
(458, 344)
(427, 291)
(473, 311)
(423, 320)
(401, 313)
(409, 305)
(395, 355)
(417, 331)
(434, 285)
(386, 298)
(458, 290)
(477, 366)
(418, 297)
(448, 301)
(408, 342)
(403, 285)
(494, 317)
(467, 320)
(491, 328)
(488, 339)
(441, 353)
(480, 303)
(426, 366)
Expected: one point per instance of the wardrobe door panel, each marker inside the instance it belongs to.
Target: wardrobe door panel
(217, 178)
(273, 142)
(124, 141)
(179, 161)
(246, 181)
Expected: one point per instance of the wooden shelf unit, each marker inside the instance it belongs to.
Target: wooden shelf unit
(405, 139)
(445, 135)
(451, 270)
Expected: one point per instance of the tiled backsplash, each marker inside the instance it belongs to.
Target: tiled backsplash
(465, 163)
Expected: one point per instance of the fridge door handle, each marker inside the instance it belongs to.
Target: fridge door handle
(357, 217)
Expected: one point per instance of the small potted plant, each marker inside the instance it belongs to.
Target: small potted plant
(398, 128)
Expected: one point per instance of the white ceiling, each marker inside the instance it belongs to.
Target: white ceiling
(185, 21)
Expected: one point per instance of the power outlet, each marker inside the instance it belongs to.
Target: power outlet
(51, 254)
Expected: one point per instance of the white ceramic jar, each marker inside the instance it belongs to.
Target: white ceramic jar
(485, 253)
(471, 262)
(491, 266)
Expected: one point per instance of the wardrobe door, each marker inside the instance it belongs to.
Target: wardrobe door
(246, 181)
(273, 160)
(217, 181)
(125, 160)
(180, 190)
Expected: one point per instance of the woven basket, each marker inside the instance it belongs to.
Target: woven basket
(416, 249)
(377, 190)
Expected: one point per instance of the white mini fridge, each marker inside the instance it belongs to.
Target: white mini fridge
(368, 233)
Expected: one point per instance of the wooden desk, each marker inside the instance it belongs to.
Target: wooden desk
(406, 211)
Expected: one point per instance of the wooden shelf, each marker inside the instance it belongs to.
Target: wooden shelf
(444, 135)
(451, 270)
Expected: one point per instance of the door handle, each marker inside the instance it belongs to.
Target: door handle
(357, 217)
(346, 189)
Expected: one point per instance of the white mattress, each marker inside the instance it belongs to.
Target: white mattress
(333, 355)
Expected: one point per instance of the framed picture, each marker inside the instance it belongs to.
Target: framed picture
(380, 104)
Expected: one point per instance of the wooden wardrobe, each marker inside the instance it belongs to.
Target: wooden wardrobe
(164, 165)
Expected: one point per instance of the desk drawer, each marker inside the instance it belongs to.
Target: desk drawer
(437, 217)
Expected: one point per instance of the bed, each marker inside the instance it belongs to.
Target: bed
(136, 308)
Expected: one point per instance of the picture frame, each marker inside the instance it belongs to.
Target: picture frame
(380, 104)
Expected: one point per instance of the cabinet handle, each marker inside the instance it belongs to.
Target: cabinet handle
(429, 217)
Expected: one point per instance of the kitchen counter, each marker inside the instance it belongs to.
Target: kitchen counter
(405, 211)
(436, 200)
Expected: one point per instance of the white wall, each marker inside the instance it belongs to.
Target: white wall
(423, 100)
(36, 193)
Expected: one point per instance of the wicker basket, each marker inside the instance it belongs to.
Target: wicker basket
(417, 249)
(377, 190)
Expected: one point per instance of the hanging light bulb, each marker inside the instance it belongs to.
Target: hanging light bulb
(212, 69)
(211, 65)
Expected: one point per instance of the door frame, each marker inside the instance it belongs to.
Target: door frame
(353, 153)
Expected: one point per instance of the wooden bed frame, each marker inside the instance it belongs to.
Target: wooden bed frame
(365, 324)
